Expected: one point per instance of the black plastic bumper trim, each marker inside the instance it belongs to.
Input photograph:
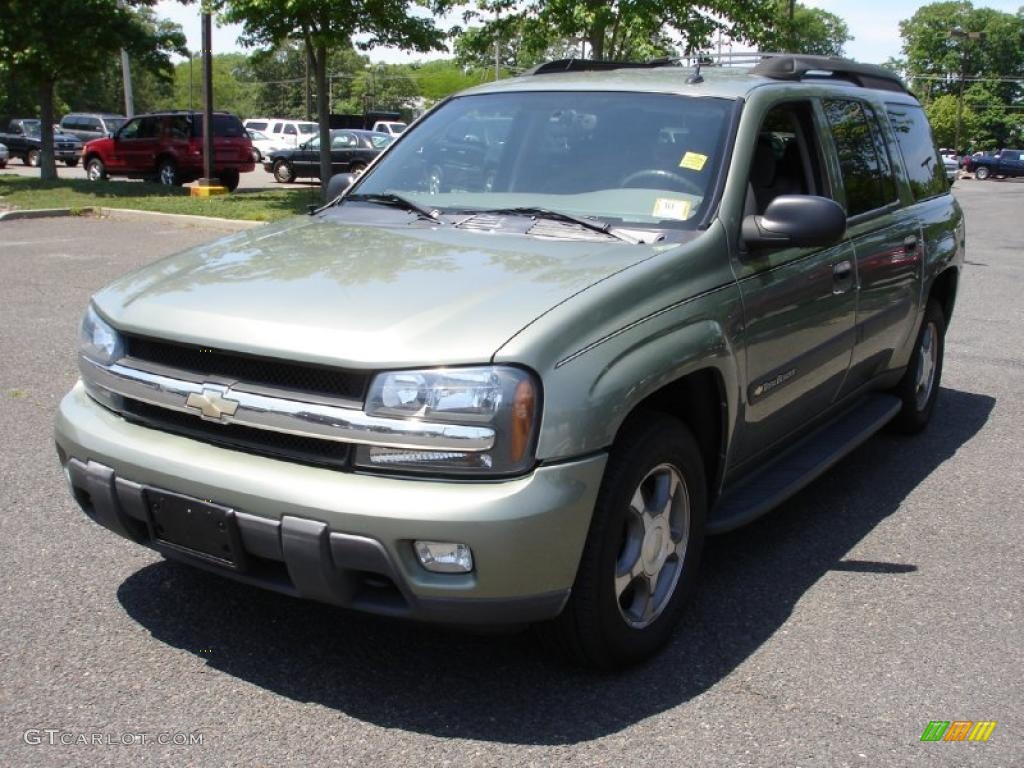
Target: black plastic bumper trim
(303, 558)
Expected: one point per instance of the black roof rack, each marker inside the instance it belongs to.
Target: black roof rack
(593, 65)
(797, 67)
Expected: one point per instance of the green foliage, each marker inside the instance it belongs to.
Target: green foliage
(326, 25)
(811, 31)
(610, 29)
(939, 65)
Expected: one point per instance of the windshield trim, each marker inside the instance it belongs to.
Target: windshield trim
(710, 202)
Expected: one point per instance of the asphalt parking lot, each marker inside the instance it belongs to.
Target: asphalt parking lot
(829, 633)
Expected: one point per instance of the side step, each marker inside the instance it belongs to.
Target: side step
(805, 461)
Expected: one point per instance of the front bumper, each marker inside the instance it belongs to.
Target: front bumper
(345, 538)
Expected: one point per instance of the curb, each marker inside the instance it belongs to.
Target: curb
(44, 213)
(179, 218)
(132, 214)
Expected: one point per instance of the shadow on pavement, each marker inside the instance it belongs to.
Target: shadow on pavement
(506, 688)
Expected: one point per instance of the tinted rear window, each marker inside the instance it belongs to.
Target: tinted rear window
(224, 127)
(925, 170)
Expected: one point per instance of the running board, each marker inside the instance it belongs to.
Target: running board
(804, 462)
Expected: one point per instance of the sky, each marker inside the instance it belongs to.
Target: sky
(874, 25)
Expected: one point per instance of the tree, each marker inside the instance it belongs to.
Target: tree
(936, 61)
(324, 25)
(43, 41)
(811, 31)
(615, 29)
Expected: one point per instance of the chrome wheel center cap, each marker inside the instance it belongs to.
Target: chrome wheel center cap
(656, 546)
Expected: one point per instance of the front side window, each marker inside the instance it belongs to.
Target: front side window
(643, 158)
(130, 130)
(866, 178)
(149, 128)
(920, 159)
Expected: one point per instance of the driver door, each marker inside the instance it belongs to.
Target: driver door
(799, 304)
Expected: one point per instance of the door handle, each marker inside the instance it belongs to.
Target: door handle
(842, 276)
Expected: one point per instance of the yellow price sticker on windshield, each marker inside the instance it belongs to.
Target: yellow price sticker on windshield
(671, 208)
(693, 161)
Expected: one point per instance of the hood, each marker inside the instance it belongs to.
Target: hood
(360, 296)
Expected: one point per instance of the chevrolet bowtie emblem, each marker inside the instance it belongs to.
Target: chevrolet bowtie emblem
(212, 404)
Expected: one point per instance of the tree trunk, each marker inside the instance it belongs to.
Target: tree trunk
(323, 113)
(47, 163)
(596, 39)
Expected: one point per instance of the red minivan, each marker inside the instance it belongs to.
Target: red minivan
(168, 147)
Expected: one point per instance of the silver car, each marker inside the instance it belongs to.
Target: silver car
(4, 155)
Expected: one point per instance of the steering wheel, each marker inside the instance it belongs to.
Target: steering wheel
(661, 174)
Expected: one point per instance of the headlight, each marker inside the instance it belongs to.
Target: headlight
(505, 399)
(97, 341)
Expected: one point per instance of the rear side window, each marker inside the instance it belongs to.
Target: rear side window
(914, 136)
(224, 127)
(290, 130)
(867, 176)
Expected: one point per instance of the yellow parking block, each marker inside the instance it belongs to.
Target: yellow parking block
(208, 191)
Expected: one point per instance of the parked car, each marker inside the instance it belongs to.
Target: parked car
(24, 140)
(679, 301)
(262, 144)
(168, 147)
(91, 125)
(392, 128)
(4, 155)
(287, 133)
(951, 163)
(1006, 162)
(351, 152)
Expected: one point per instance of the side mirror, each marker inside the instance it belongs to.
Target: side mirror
(795, 220)
(339, 183)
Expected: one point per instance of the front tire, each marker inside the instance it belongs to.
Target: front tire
(982, 173)
(32, 158)
(284, 172)
(919, 387)
(640, 559)
(95, 170)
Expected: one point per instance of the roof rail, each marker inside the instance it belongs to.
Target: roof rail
(791, 66)
(593, 65)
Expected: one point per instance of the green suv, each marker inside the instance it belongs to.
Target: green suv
(567, 325)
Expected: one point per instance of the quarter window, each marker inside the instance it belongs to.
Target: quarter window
(867, 178)
(924, 167)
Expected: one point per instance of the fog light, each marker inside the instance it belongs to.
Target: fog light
(444, 556)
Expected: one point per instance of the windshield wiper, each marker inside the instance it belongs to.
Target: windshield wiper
(547, 213)
(399, 201)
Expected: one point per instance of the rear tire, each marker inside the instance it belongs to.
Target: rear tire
(641, 556)
(95, 170)
(230, 179)
(283, 172)
(919, 387)
(982, 173)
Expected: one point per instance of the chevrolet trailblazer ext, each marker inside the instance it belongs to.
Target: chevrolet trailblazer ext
(521, 382)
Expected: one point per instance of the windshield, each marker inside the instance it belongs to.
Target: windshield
(642, 158)
(113, 123)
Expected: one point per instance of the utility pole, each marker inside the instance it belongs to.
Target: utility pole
(965, 38)
(208, 185)
(126, 75)
(309, 89)
(497, 58)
